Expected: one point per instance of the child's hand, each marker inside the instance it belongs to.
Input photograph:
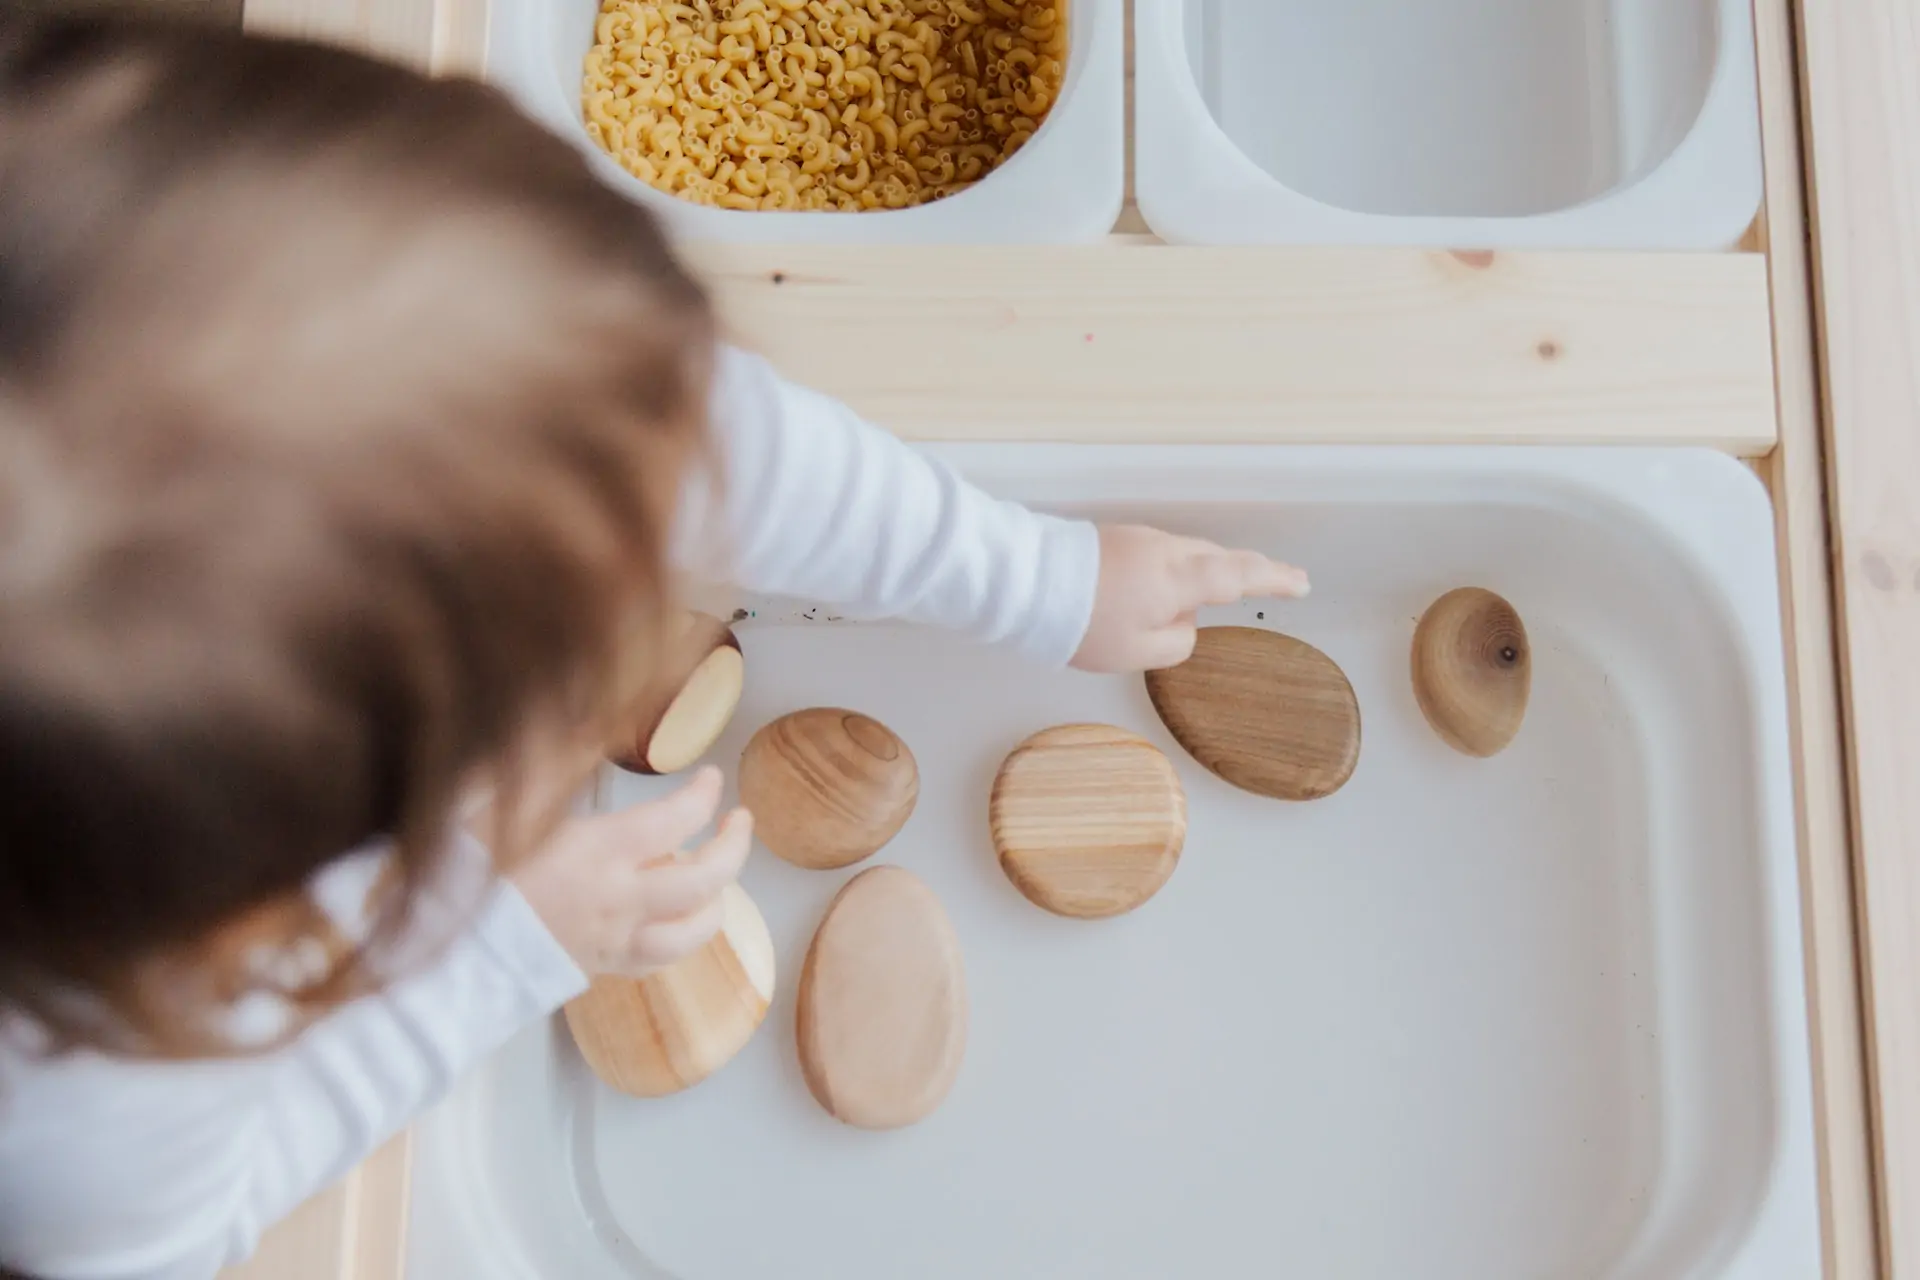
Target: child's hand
(611, 890)
(1151, 584)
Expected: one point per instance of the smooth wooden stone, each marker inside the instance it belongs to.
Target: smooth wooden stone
(1088, 820)
(882, 1007)
(1268, 713)
(681, 717)
(657, 1035)
(1472, 670)
(827, 786)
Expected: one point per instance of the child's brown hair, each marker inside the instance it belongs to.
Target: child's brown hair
(342, 415)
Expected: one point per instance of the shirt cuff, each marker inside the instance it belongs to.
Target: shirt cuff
(513, 933)
(1067, 579)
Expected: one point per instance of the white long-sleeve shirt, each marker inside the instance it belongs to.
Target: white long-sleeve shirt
(115, 1169)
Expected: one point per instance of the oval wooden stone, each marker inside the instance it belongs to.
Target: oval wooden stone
(679, 718)
(1268, 713)
(1087, 819)
(660, 1034)
(827, 786)
(1472, 670)
(882, 1006)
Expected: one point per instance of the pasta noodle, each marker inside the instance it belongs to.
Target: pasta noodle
(820, 104)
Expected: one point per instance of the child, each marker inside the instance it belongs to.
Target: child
(351, 436)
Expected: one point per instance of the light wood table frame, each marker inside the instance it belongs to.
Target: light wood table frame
(1135, 340)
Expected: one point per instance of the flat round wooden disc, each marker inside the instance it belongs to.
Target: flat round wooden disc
(1269, 713)
(1088, 820)
(882, 1003)
(660, 1034)
(827, 787)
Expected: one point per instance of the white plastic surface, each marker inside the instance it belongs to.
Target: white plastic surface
(1488, 124)
(1539, 1015)
(1066, 185)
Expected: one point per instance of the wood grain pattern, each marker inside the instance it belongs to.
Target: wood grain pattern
(827, 786)
(670, 1030)
(446, 37)
(397, 29)
(1796, 475)
(1472, 670)
(1087, 820)
(1127, 342)
(1267, 712)
(882, 1005)
(1862, 88)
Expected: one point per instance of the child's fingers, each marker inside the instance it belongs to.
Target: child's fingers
(1276, 579)
(1220, 576)
(659, 826)
(671, 890)
(666, 941)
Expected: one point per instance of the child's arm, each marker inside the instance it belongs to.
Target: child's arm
(130, 1170)
(820, 505)
(113, 1169)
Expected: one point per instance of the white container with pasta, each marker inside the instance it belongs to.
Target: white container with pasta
(1058, 108)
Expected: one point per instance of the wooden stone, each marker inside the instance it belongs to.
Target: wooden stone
(1268, 713)
(882, 1006)
(827, 787)
(684, 714)
(1088, 820)
(1472, 670)
(660, 1034)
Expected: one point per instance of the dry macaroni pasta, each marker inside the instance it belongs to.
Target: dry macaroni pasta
(820, 104)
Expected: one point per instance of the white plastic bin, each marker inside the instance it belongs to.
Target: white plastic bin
(1539, 1015)
(1451, 123)
(1066, 185)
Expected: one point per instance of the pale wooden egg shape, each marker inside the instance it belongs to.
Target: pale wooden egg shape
(882, 1007)
(670, 1030)
(827, 786)
(680, 718)
(1472, 670)
(1267, 712)
(1087, 819)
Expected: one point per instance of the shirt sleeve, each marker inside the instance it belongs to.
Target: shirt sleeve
(113, 1169)
(814, 503)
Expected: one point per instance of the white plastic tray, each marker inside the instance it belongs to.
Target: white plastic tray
(1066, 185)
(1487, 124)
(1540, 1015)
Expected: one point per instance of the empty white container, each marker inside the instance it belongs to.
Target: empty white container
(1066, 185)
(1538, 1015)
(1451, 123)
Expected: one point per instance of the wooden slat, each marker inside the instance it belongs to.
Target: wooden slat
(447, 37)
(1861, 67)
(314, 1242)
(1379, 345)
(1796, 474)
(398, 29)
(459, 38)
(381, 1195)
(354, 1230)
